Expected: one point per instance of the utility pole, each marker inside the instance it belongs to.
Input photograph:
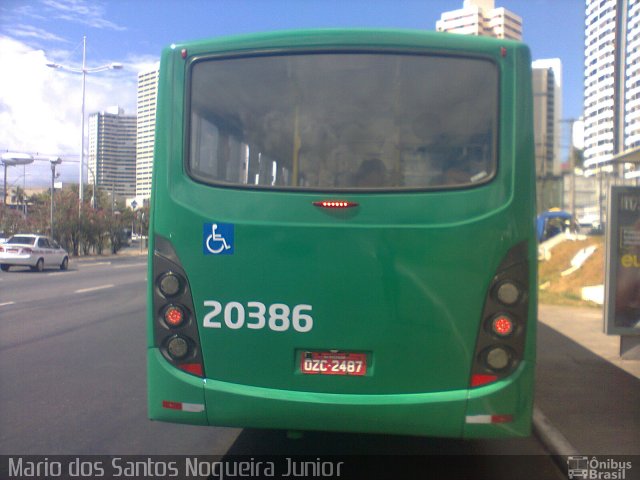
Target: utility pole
(54, 162)
(84, 71)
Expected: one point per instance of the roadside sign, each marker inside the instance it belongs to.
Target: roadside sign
(622, 279)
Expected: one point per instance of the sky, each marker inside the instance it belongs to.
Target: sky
(40, 107)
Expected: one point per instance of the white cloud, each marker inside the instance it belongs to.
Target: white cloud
(40, 107)
(82, 12)
(29, 31)
(141, 63)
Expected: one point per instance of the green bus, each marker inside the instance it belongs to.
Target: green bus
(343, 234)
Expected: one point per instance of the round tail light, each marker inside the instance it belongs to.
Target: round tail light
(497, 358)
(508, 293)
(178, 347)
(174, 316)
(169, 284)
(502, 326)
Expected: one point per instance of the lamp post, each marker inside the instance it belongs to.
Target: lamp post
(93, 174)
(54, 161)
(84, 71)
(10, 160)
(572, 165)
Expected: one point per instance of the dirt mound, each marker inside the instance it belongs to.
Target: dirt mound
(566, 290)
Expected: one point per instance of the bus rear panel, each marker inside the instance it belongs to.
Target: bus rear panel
(342, 234)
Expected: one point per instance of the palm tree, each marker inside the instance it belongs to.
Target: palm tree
(21, 198)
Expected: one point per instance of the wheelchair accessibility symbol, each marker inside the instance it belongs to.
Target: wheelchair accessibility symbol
(217, 238)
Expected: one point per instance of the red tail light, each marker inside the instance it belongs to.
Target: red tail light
(500, 345)
(175, 329)
(174, 316)
(502, 326)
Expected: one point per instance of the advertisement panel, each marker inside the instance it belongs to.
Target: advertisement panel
(622, 281)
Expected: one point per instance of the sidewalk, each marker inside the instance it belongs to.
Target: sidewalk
(132, 251)
(589, 396)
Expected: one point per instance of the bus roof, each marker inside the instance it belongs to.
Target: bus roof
(352, 37)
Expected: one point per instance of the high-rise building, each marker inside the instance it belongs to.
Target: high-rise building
(547, 112)
(480, 17)
(632, 78)
(112, 151)
(612, 79)
(147, 94)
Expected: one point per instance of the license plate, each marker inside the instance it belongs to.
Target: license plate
(333, 363)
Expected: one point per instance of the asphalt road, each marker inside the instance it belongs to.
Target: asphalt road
(72, 351)
(72, 381)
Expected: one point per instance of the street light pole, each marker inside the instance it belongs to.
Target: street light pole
(84, 71)
(4, 188)
(54, 162)
(84, 84)
(93, 174)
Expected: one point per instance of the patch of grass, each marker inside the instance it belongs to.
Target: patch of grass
(568, 290)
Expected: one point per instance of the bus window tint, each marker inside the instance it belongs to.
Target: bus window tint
(343, 121)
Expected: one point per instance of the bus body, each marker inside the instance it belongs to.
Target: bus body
(343, 234)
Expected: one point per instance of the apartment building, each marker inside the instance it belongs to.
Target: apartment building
(481, 17)
(112, 151)
(611, 80)
(145, 130)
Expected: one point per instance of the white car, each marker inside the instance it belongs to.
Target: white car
(35, 251)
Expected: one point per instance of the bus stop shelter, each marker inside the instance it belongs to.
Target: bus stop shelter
(631, 156)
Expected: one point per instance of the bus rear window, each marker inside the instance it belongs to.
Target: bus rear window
(343, 121)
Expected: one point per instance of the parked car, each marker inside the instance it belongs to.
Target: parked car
(35, 251)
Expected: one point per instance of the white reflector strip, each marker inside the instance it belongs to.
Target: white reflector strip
(478, 418)
(185, 407)
(192, 407)
(489, 418)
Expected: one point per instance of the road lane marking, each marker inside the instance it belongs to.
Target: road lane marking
(93, 289)
(7, 303)
(67, 272)
(96, 264)
(130, 265)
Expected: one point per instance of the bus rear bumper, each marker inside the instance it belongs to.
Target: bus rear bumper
(173, 395)
(456, 413)
(502, 409)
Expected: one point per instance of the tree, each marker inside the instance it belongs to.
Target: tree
(116, 229)
(86, 233)
(20, 195)
(144, 220)
(68, 227)
(11, 222)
